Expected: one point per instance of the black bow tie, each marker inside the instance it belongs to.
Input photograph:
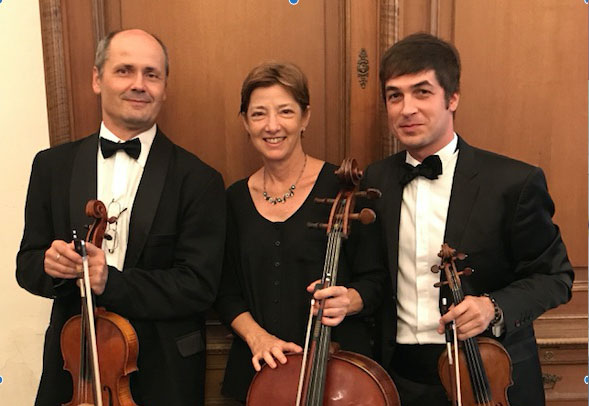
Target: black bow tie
(132, 147)
(430, 168)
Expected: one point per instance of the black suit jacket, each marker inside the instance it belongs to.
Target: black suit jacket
(171, 272)
(500, 214)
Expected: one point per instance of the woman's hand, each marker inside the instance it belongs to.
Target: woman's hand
(338, 302)
(263, 345)
(269, 348)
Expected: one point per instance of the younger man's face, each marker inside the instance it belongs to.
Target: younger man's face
(418, 114)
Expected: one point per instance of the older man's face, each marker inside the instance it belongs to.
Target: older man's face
(132, 84)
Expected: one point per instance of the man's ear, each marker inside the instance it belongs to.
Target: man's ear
(453, 102)
(95, 80)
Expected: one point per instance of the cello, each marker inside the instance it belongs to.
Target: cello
(99, 348)
(322, 374)
(476, 372)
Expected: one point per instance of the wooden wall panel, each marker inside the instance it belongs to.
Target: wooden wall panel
(363, 85)
(213, 45)
(524, 95)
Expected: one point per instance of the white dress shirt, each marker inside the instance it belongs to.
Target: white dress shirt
(424, 210)
(117, 181)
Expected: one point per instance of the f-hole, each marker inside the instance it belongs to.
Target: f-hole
(108, 395)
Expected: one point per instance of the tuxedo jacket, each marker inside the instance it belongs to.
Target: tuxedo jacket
(171, 271)
(500, 215)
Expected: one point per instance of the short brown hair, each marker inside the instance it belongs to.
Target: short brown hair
(419, 52)
(285, 74)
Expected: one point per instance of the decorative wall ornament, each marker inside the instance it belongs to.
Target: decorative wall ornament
(550, 380)
(362, 68)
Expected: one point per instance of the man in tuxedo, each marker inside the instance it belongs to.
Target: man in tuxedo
(159, 265)
(495, 209)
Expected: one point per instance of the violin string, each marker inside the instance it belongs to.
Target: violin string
(458, 298)
(477, 373)
(84, 369)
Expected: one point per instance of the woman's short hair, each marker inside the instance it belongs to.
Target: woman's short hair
(285, 74)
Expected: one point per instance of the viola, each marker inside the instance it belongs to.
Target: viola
(322, 374)
(476, 372)
(99, 348)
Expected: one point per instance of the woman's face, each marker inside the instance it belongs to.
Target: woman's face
(274, 121)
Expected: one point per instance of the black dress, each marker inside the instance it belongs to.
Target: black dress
(269, 264)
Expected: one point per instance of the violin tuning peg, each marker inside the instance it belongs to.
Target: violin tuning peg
(317, 226)
(467, 271)
(461, 256)
(435, 269)
(107, 237)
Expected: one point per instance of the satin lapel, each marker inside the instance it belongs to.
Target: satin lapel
(391, 209)
(148, 196)
(83, 183)
(465, 190)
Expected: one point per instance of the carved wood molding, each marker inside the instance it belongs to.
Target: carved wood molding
(388, 34)
(61, 59)
(98, 19)
(56, 66)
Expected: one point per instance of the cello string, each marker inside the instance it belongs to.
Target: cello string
(323, 344)
(318, 369)
(316, 349)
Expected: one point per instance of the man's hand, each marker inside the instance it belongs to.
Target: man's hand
(97, 268)
(62, 261)
(472, 316)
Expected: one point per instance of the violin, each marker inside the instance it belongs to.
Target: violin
(322, 374)
(476, 372)
(99, 348)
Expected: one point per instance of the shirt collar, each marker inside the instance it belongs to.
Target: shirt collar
(146, 138)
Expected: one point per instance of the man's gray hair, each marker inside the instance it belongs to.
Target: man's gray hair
(104, 45)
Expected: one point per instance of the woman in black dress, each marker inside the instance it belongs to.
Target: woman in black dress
(272, 258)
